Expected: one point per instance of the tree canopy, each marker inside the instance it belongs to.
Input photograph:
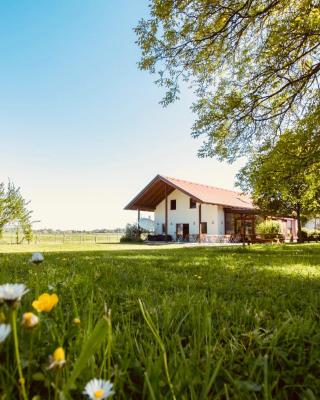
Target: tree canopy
(14, 208)
(284, 180)
(253, 64)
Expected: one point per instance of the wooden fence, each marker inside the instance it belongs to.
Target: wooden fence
(60, 238)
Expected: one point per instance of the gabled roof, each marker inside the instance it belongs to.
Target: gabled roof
(155, 191)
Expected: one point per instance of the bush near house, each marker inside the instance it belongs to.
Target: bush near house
(269, 231)
(268, 227)
(311, 235)
(132, 234)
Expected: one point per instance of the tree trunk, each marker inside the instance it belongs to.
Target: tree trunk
(300, 236)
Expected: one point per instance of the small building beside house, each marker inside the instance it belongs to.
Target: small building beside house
(192, 211)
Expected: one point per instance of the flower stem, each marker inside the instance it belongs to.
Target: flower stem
(109, 345)
(56, 388)
(17, 353)
(30, 359)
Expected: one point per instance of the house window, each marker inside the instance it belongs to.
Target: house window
(163, 228)
(204, 228)
(193, 204)
(173, 204)
(229, 223)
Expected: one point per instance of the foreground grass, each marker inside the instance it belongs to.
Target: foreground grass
(80, 247)
(235, 323)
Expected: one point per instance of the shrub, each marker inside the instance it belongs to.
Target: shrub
(132, 234)
(125, 239)
(269, 227)
(310, 234)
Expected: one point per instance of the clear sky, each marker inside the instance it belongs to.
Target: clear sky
(81, 127)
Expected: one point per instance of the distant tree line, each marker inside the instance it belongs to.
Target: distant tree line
(75, 231)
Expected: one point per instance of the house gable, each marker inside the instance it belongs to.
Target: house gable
(160, 187)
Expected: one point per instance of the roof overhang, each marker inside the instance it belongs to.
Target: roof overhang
(239, 210)
(153, 194)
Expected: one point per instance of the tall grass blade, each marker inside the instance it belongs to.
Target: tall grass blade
(89, 348)
(156, 335)
(212, 379)
(265, 374)
(151, 392)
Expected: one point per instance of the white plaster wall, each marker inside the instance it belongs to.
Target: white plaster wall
(220, 219)
(159, 218)
(212, 214)
(209, 214)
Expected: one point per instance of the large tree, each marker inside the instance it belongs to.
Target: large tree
(14, 209)
(254, 65)
(284, 180)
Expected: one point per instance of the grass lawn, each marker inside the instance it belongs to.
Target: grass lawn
(77, 247)
(233, 323)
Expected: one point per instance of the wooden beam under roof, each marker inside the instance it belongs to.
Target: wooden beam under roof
(153, 194)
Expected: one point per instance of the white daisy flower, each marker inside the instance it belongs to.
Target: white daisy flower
(29, 320)
(36, 258)
(98, 389)
(5, 329)
(11, 292)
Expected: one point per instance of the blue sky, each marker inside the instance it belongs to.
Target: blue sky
(81, 127)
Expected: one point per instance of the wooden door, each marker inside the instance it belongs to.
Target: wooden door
(185, 230)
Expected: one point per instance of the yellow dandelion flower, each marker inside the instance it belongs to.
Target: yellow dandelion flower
(58, 358)
(45, 302)
(77, 321)
(59, 354)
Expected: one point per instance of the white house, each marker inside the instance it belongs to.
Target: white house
(191, 211)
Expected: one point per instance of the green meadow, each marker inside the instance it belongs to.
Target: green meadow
(186, 323)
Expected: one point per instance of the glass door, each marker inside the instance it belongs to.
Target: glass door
(244, 227)
(248, 227)
(185, 231)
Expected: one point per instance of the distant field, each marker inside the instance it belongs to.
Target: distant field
(235, 323)
(60, 238)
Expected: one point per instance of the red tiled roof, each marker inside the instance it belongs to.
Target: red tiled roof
(213, 195)
(154, 193)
